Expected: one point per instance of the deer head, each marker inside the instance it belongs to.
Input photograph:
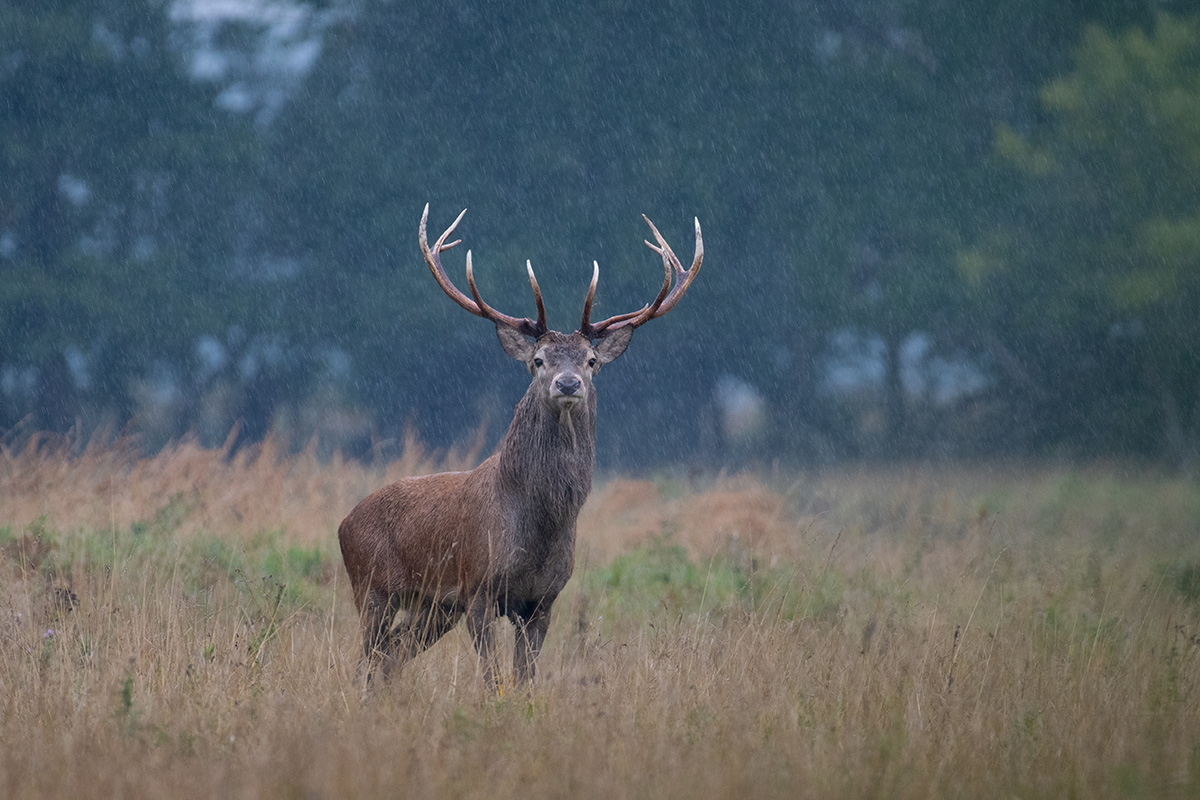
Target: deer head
(563, 365)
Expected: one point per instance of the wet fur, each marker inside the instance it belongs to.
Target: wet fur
(497, 540)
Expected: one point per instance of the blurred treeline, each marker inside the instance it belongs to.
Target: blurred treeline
(964, 229)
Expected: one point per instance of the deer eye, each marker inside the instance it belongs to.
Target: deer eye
(537, 362)
(592, 362)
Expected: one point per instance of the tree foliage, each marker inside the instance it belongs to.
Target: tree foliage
(116, 185)
(985, 215)
(1094, 277)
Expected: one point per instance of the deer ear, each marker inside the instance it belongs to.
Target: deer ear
(609, 347)
(515, 343)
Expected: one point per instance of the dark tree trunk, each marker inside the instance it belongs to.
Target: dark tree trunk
(57, 400)
(895, 406)
(1181, 441)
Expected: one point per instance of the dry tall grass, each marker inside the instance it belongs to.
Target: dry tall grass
(179, 626)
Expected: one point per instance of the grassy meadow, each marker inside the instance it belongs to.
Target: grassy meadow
(180, 626)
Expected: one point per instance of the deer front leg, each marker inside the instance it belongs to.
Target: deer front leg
(531, 632)
(479, 623)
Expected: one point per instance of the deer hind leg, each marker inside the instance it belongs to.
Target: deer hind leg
(378, 609)
(424, 626)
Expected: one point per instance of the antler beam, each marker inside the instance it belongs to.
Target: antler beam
(667, 296)
(477, 306)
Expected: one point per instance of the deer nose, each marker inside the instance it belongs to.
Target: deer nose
(567, 385)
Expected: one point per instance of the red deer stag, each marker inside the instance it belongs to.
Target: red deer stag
(499, 539)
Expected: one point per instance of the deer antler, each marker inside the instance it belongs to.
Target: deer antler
(667, 296)
(477, 306)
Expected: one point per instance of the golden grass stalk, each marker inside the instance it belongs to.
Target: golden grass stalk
(178, 625)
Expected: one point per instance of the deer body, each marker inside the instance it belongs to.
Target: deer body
(498, 539)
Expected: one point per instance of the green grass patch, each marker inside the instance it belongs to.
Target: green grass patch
(660, 578)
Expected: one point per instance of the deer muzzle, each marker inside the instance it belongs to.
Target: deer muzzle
(566, 389)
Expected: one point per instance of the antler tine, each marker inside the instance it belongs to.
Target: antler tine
(537, 296)
(522, 324)
(586, 326)
(684, 277)
(667, 296)
(591, 331)
(477, 306)
(434, 260)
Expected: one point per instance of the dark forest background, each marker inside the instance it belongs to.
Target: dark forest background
(943, 229)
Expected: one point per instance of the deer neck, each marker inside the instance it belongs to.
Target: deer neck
(548, 456)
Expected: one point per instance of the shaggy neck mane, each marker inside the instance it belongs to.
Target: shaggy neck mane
(548, 456)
